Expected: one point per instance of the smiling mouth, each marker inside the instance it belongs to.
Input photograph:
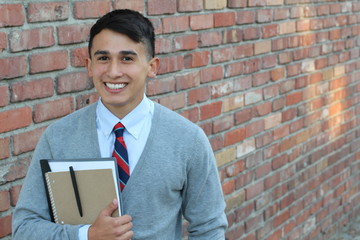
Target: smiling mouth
(115, 86)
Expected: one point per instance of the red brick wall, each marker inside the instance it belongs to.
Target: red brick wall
(273, 83)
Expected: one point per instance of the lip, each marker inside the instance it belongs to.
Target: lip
(115, 87)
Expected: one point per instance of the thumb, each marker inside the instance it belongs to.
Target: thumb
(110, 208)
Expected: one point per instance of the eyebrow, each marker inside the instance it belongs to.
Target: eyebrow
(123, 52)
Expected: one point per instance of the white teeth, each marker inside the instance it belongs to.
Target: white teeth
(115, 86)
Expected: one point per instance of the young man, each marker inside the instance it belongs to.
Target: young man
(171, 163)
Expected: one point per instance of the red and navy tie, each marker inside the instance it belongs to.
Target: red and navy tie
(121, 155)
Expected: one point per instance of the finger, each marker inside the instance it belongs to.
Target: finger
(110, 208)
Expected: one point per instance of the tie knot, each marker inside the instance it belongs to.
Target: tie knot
(119, 129)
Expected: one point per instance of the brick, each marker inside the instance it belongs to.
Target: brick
(264, 15)
(232, 103)
(281, 14)
(237, 3)
(190, 5)
(235, 201)
(3, 41)
(253, 97)
(214, 4)
(50, 61)
(211, 74)
(294, 98)
(73, 33)
(26, 141)
(202, 21)
(91, 9)
(254, 190)
(287, 27)
(225, 156)
(234, 69)
(15, 170)
(163, 45)
(53, 109)
(225, 19)
(222, 55)
(234, 169)
(15, 119)
(274, 2)
(191, 114)
(278, 162)
(245, 17)
(232, 36)
(257, 3)
(14, 194)
(13, 67)
(34, 89)
(198, 95)
(251, 33)
(160, 86)
(73, 82)
(47, 11)
(187, 80)
(186, 42)
(242, 51)
(303, 25)
(262, 47)
(269, 31)
(11, 15)
(228, 187)
(79, 56)
(5, 224)
(247, 146)
(221, 89)
(29, 39)
(269, 61)
(210, 110)
(196, 59)
(255, 127)
(234, 136)
(175, 24)
(207, 39)
(223, 123)
(137, 5)
(4, 148)
(272, 121)
(86, 99)
(174, 102)
(4, 93)
(157, 7)
(171, 64)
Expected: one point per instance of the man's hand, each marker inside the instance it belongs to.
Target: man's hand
(107, 227)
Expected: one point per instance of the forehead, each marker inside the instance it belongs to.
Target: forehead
(114, 42)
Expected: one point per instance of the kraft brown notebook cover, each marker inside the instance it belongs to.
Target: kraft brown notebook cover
(96, 189)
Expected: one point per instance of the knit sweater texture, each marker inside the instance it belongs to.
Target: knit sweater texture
(176, 177)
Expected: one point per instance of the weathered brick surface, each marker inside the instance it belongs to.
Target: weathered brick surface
(273, 83)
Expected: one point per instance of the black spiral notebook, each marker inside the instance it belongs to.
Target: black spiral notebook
(78, 189)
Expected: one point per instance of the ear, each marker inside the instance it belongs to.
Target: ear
(88, 67)
(154, 66)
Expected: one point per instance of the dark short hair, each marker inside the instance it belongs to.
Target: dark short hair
(131, 23)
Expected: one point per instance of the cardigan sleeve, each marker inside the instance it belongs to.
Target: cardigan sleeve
(203, 201)
(31, 218)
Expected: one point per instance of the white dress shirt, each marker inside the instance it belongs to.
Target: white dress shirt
(137, 128)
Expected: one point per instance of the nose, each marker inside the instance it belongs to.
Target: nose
(114, 70)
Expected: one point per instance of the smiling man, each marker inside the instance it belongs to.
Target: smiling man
(169, 169)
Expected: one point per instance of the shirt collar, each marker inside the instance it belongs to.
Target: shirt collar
(133, 121)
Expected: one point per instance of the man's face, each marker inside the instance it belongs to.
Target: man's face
(119, 68)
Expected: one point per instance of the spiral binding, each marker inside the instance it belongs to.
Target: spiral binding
(53, 207)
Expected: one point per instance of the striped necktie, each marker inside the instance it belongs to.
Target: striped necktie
(121, 155)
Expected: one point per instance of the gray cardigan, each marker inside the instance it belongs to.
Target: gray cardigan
(176, 176)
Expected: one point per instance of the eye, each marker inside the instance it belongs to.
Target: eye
(127, 59)
(102, 58)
